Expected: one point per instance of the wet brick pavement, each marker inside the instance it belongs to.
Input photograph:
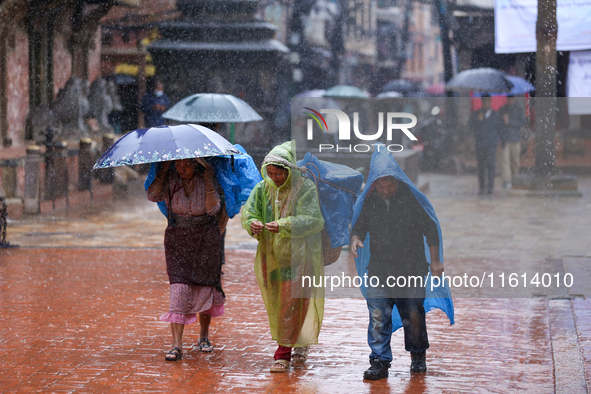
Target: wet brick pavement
(80, 301)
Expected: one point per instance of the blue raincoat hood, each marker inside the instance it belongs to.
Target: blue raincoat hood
(383, 164)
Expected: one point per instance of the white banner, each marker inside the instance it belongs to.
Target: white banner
(578, 83)
(515, 25)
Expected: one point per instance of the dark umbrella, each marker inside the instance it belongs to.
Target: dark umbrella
(480, 80)
(520, 86)
(401, 86)
(165, 143)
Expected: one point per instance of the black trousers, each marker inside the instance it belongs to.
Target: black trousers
(485, 160)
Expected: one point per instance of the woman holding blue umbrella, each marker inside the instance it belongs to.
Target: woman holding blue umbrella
(187, 185)
(192, 242)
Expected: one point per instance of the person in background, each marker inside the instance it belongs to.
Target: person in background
(487, 126)
(513, 116)
(154, 104)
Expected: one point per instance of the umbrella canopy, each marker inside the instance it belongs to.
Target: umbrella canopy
(480, 80)
(165, 143)
(401, 86)
(390, 94)
(520, 86)
(346, 91)
(312, 93)
(212, 108)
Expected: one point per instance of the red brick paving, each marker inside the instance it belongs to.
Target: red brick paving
(79, 308)
(86, 321)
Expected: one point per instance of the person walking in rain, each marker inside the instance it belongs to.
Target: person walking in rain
(487, 126)
(192, 245)
(397, 217)
(513, 116)
(283, 214)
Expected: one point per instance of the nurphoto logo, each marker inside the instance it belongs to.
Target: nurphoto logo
(344, 129)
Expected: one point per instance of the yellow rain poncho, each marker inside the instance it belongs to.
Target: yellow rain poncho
(283, 259)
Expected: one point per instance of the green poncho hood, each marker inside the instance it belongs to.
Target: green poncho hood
(283, 155)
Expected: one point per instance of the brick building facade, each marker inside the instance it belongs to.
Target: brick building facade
(38, 39)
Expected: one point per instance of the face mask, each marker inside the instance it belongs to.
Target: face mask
(158, 93)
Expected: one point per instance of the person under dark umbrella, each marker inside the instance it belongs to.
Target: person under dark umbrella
(513, 115)
(487, 126)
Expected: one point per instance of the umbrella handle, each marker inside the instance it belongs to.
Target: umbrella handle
(232, 129)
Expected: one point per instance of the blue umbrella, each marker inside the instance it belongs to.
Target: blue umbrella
(520, 85)
(165, 143)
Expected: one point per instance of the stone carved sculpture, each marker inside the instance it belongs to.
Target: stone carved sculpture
(101, 104)
(71, 107)
(114, 93)
(38, 120)
(74, 104)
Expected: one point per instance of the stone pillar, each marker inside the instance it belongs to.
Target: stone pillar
(50, 177)
(106, 175)
(85, 163)
(32, 164)
(61, 166)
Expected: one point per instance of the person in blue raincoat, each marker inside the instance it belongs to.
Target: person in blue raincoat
(396, 238)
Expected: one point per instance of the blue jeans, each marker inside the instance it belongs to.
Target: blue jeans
(379, 333)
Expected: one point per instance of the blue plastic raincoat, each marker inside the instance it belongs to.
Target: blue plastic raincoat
(237, 183)
(383, 164)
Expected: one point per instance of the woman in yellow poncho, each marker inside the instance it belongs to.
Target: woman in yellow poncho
(283, 214)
